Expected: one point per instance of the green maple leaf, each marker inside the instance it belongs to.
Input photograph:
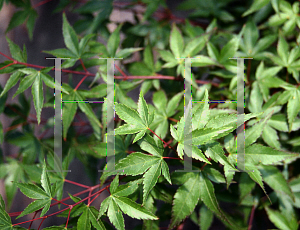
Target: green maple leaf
(151, 165)
(116, 203)
(198, 186)
(137, 121)
(43, 196)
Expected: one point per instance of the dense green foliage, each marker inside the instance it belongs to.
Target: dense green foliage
(150, 134)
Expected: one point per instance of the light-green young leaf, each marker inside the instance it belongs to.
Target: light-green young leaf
(207, 195)
(70, 37)
(256, 153)
(133, 209)
(176, 41)
(138, 121)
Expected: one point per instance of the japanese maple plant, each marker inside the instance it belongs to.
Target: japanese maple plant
(148, 181)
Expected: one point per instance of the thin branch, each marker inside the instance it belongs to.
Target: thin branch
(83, 66)
(6, 56)
(41, 3)
(123, 74)
(251, 217)
(158, 76)
(78, 184)
(44, 217)
(77, 86)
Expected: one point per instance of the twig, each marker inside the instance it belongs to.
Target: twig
(251, 217)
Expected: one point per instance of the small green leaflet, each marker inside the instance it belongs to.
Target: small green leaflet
(43, 197)
(185, 200)
(293, 107)
(88, 218)
(16, 52)
(256, 153)
(256, 5)
(201, 113)
(286, 58)
(70, 37)
(280, 221)
(163, 111)
(205, 218)
(137, 121)
(176, 41)
(5, 221)
(274, 178)
(253, 133)
(215, 151)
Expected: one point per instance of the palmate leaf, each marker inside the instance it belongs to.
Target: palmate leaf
(138, 163)
(114, 204)
(43, 197)
(138, 121)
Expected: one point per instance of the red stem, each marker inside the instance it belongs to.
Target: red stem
(65, 208)
(33, 218)
(176, 158)
(251, 217)
(6, 56)
(71, 207)
(78, 184)
(80, 82)
(60, 202)
(45, 217)
(41, 3)
(123, 74)
(83, 66)
(7, 66)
